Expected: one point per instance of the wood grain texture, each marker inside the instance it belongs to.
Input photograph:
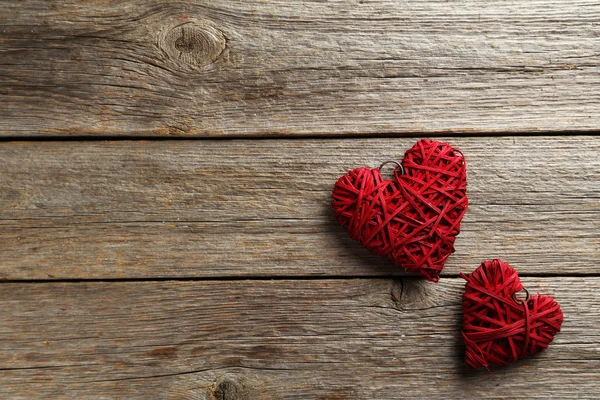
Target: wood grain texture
(320, 339)
(199, 68)
(131, 209)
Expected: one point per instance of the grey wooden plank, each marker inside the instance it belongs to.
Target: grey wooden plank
(262, 208)
(304, 339)
(197, 68)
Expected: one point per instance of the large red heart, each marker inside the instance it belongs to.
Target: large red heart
(414, 219)
(498, 328)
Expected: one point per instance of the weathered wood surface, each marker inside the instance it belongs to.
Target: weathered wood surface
(315, 339)
(278, 67)
(211, 209)
(262, 208)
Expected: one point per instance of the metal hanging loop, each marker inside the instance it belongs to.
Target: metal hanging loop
(518, 301)
(398, 165)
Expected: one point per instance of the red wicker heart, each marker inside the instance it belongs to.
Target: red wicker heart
(414, 219)
(497, 327)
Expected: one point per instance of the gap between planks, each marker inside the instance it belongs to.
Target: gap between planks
(311, 136)
(398, 277)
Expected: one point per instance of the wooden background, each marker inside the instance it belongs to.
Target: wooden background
(165, 179)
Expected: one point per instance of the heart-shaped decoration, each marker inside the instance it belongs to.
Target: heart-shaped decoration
(498, 328)
(413, 220)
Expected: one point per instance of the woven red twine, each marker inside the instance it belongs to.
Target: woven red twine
(498, 328)
(413, 219)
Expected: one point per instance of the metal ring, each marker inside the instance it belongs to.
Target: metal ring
(520, 302)
(398, 165)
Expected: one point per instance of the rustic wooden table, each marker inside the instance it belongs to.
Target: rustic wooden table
(209, 266)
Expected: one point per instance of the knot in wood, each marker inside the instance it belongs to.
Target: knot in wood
(228, 389)
(191, 46)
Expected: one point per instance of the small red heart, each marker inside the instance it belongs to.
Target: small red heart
(497, 327)
(414, 219)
